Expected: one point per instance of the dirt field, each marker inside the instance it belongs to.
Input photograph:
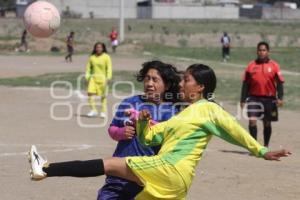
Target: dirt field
(28, 117)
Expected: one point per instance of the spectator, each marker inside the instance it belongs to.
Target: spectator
(114, 39)
(225, 40)
(70, 46)
(24, 43)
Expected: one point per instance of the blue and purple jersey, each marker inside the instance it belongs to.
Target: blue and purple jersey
(117, 188)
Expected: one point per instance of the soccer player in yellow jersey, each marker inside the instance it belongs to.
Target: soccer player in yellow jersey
(183, 139)
(98, 73)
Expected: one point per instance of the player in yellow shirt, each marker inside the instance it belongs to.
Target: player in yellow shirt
(183, 139)
(98, 73)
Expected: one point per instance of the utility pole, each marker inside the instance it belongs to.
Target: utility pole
(121, 17)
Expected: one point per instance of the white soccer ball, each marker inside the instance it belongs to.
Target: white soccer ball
(41, 19)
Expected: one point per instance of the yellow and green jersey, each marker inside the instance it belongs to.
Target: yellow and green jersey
(183, 138)
(99, 67)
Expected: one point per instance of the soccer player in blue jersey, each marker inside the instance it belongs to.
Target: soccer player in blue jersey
(161, 86)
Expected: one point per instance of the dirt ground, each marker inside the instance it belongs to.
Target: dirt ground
(33, 116)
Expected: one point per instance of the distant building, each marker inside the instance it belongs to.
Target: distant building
(284, 4)
(149, 9)
(21, 6)
(144, 9)
(235, 3)
(6, 7)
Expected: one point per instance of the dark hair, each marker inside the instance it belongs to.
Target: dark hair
(95, 45)
(169, 75)
(263, 44)
(204, 75)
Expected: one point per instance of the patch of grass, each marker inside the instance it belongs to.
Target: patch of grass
(194, 53)
(8, 37)
(7, 47)
(228, 87)
(292, 93)
(40, 81)
(87, 27)
(215, 26)
(75, 79)
(62, 52)
(288, 58)
(180, 33)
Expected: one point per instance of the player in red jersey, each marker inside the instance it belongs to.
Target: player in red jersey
(263, 91)
(114, 39)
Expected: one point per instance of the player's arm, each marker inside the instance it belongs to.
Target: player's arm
(227, 128)
(244, 93)
(147, 133)
(280, 92)
(245, 89)
(279, 85)
(121, 133)
(108, 68)
(88, 70)
(119, 129)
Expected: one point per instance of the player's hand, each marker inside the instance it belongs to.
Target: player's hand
(129, 132)
(145, 115)
(276, 155)
(132, 114)
(279, 102)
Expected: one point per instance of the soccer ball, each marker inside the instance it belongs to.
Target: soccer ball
(41, 19)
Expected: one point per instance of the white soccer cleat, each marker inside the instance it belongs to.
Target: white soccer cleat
(103, 115)
(92, 113)
(37, 163)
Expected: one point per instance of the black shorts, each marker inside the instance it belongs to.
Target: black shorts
(70, 49)
(226, 50)
(263, 108)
